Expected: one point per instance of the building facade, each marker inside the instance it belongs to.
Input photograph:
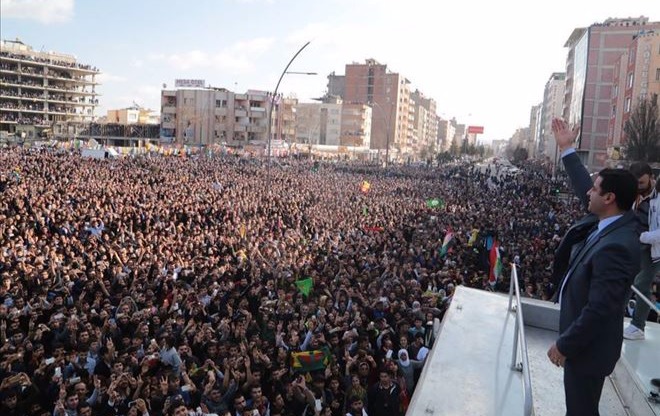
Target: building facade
(388, 94)
(203, 116)
(319, 123)
(131, 115)
(44, 93)
(446, 134)
(553, 97)
(636, 77)
(355, 125)
(590, 68)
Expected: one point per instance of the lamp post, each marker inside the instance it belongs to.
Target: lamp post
(387, 131)
(272, 103)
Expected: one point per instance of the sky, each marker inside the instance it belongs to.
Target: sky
(484, 62)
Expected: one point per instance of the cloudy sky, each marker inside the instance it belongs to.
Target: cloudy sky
(484, 62)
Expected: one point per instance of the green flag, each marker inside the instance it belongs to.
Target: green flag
(435, 203)
(305, 285)
(365, 211)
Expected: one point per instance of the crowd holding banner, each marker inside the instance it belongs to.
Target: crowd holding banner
(167, 285)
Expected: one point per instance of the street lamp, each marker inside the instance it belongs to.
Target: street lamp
(272, 102)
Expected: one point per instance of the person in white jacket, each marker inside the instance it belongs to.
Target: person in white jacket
(652, 237)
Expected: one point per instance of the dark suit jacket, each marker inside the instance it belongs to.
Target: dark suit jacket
(581, 183)
(592, 302)
(599, 276)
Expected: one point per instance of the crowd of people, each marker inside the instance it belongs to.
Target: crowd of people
(172, 285)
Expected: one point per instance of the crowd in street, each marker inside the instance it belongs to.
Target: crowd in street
(171, 285)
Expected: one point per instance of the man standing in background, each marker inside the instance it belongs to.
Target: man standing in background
(644, 279)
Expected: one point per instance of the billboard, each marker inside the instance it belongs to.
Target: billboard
(475, 130)
(189, 83)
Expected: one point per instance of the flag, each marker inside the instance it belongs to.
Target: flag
(365, 210)
(445, 243)
(242, 231)
(305, 285)
(365, 186)
(305, 361)
(435, 203)
(473, 237)
(495, 264)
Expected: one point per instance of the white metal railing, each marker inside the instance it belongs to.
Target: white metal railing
(519, 339)
(645, 299)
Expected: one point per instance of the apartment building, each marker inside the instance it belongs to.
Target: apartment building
(203, 116)
(636, 77)
(44, 93)
(446, 133)
(425, 123)
(590, 67)
(356, 125)
(131, 115)
(553, 98)
(388, 94)
(319, 123)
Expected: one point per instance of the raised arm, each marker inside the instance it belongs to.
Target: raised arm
(577, 173)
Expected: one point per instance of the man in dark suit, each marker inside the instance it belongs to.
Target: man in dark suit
(599, 272)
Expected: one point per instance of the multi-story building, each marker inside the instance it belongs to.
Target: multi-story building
(44, 92)
(319, 123)
(389, 95)
(636, 77)
(460, 134)
(131, 115)
(446, 134)
(534, 130)
(205, 116)
(336, 85)
(425, 122)
(355, 125)
(553, 98)
(590, 68)
(284, 119)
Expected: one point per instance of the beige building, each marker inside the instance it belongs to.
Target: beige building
(553, 97)
(355, 125)
(284, 119)
(132, 115)
(319, 123)
(425, 124)
(446, 134)
(44, 92)
(214, 115)
(534, 130)
(636, 77)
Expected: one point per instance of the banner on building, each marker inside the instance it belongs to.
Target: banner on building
(189, 83)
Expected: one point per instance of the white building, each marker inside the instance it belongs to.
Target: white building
(44, 92)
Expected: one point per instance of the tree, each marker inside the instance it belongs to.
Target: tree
(642, 131)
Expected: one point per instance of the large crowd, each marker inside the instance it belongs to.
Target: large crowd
(169, 285)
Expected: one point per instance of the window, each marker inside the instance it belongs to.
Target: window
(657, 74)
(627, 106)
(630, 80)
(613, 110)
(616, 91)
